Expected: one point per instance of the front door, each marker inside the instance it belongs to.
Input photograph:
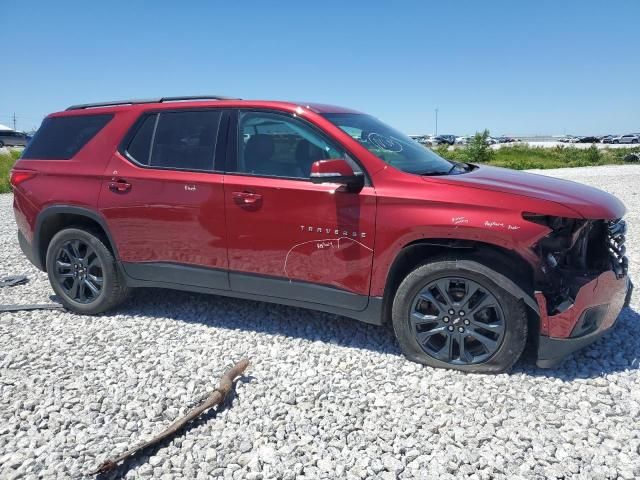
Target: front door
(164, 201)
(288, 237)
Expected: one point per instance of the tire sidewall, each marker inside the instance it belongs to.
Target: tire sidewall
(515, 318)
(109, 270)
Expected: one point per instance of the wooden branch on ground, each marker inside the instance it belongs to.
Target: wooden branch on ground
(216, 397)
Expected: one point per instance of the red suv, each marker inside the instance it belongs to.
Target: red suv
(325, 208)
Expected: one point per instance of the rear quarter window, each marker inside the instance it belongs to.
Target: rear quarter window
(60, 138)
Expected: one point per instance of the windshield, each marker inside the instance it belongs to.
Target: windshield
(390, 145)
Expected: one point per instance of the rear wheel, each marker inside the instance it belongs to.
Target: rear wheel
(447, 314)
(83, 272)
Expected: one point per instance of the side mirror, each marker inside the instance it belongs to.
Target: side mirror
(337, 171)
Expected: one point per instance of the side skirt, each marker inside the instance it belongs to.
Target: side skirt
(254, 287)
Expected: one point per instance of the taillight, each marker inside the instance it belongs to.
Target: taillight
(19, 176)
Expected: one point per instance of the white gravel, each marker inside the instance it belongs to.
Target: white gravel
(326, 397)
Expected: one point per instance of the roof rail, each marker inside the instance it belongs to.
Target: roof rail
(149, 100)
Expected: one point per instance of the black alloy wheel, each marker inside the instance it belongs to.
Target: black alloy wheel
(455, 312)
(79, 271)
(457, 321)
(84, 272)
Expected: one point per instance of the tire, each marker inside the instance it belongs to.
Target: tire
(77, 256)
(1, 144)
(634, 141)
(493, 337)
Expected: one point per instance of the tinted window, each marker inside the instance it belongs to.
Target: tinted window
(140, 144)
(185, 140)
(60, 138)
(278, 145)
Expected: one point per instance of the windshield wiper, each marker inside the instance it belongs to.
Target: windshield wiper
(433, 173)
(455, 165)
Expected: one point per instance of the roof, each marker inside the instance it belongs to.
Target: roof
(4, 128)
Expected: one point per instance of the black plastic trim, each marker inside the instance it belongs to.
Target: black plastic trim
(251, 287)
(62, 209)
(178, 274)
(552, 351)
(303, 291)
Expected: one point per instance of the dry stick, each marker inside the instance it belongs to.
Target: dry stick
(216, 397)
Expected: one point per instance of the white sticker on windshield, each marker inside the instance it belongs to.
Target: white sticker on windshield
(389, 144)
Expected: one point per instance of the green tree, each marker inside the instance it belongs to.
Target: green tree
(478, 150)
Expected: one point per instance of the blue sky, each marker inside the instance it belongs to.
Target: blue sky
(527, 67)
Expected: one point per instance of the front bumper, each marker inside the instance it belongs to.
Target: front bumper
(594, 312)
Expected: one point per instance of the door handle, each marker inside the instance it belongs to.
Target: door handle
(119, 186)
(246, 198)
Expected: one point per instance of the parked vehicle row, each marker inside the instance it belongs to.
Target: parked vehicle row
(433, 140)
(631, 138)
(489, 141)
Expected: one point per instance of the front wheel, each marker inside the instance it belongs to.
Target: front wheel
(83, 272)
(447, 314)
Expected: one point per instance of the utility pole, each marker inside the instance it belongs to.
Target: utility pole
(436, 122)
(14, 120)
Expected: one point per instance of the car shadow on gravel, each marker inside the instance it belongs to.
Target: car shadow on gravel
(618, 350)
(261, 317)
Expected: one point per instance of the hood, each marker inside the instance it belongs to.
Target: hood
(588, 202)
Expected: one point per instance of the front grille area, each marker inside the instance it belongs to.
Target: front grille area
(615, 237)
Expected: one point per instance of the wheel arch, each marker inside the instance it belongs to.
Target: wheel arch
(57, 217)
(503, 261)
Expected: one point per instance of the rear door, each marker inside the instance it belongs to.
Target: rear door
(163, 198)
(288, 237)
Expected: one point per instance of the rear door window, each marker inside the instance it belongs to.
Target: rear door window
(177, 140)
(60, 138)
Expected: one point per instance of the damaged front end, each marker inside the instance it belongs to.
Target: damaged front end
(581, 283)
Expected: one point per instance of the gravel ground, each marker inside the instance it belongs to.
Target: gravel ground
(326, 397)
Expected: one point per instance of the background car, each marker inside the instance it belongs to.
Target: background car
(629, 138)
(607, 139)
(445, 139)
(10, 138)
(588, 139)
